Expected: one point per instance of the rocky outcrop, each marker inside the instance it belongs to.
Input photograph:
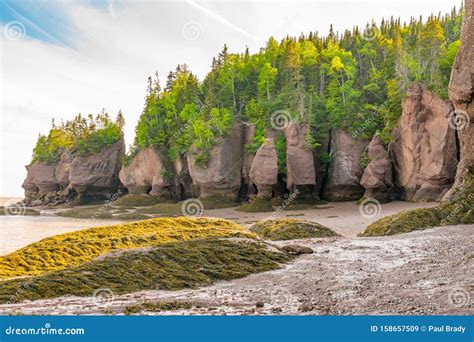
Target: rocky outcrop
(145, 174)
(40, 179)
(377, 176)
(345, 172)
(461, 94)
(299, 158)
(264, 171)
(424, 147)
(222, 175)
(48, 183)
(97, 175)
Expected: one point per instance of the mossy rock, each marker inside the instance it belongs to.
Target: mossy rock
(18, 211)
(258, 205)
(135, 200)
(218, 202)
(75, 248)
(403, 222)
(457, 210)
(171, 266)
(289, 229)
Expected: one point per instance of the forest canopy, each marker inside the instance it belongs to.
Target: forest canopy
(355, 80)
(83, 135)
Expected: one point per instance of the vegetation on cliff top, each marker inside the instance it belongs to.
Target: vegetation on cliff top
(170, 266)
(72, 249)
(456, 210)
(81, 136)
(289, 229)
(314, 79)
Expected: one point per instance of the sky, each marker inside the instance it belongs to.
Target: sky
(60, 58)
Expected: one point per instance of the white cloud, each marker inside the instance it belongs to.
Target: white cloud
(115, 49)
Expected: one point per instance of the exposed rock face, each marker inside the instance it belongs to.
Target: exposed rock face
(145, 174)
(62, 170)
(97, 175)
(343, 181)
(424, 148)
(377, 176)
(461, 93)
(264, 171)
(223, 174)
(299, 158)
(40, 179)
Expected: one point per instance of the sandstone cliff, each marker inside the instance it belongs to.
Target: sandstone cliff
(424, 147)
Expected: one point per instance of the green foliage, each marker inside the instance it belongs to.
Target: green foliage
(343, 81)
(280, 147)
(81, 136)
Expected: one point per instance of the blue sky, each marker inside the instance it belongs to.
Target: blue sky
(59, 58)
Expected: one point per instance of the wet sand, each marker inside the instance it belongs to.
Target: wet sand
(19, 231)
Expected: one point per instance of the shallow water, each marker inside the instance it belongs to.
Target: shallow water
(18, 231)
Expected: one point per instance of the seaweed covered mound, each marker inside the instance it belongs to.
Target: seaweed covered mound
(458, 209)
(289, 229)
(136, 200)
(171, 266)
(72, 249)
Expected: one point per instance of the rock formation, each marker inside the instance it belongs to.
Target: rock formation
(424, 147)
(345, 172)
(223, 174)
(461, 93)
(40, 180)
(299, 160)
(97, 175)
(145, 174)
(264, 171)
(377, 176)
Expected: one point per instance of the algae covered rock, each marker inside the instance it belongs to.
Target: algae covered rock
(289, 229)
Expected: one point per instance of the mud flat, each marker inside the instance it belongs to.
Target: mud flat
(424, 272)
